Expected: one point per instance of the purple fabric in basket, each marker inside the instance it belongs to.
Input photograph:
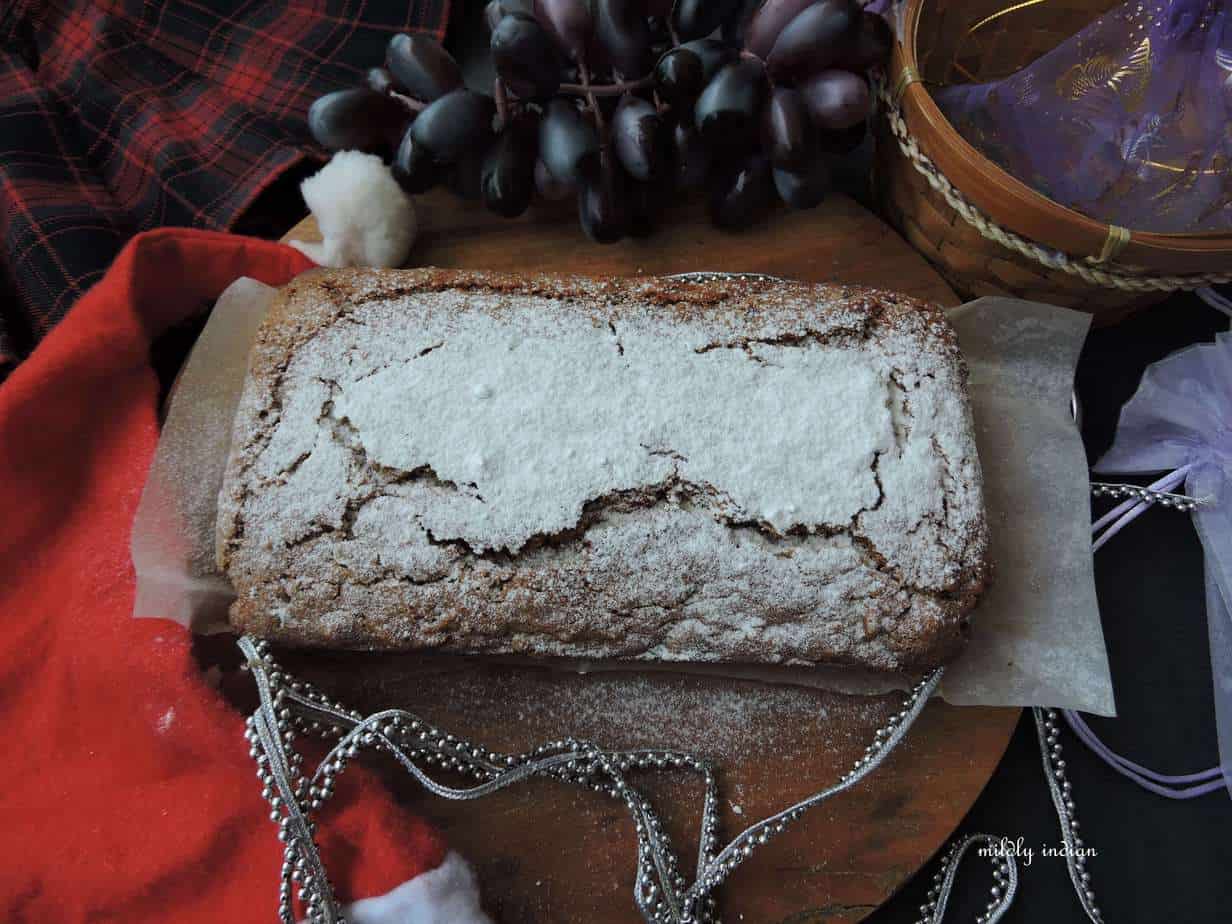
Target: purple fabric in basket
(1127, 121)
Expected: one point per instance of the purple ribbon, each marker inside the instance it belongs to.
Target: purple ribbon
(1176, 786)
(1126, 512)
(1180, 421)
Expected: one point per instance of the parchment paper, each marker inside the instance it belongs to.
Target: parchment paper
(1036, 636)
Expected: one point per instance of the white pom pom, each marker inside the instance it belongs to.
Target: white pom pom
(364, 216)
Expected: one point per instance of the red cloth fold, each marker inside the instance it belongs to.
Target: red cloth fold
(128, 790)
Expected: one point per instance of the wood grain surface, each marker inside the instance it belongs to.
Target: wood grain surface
(550, 853)
(839, 241)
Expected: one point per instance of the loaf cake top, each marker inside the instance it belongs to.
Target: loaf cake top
(447, 424)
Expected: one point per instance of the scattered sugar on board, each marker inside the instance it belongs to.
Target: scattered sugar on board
(726, 720)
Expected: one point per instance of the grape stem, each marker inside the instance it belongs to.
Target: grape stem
(586, 88)
(502, 102)
(591, 103)
(414, 105)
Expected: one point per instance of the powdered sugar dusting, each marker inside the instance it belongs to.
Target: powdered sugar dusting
(540, 411)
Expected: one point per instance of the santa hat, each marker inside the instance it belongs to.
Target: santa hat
(128, 790)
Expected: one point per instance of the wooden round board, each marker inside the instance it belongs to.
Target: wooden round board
(549, 853)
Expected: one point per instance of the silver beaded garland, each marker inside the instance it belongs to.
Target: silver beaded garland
(711, 276)
(1181, 502)
(1005, 869)
(1048, 733)
(661, 891)
(1005, 879)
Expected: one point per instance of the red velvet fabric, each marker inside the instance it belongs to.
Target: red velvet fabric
(127, 791)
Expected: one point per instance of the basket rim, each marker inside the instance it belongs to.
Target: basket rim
(1024, 210)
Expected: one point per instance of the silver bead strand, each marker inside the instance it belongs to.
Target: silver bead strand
(277, 765)
(1005, 873)
(1181, 502)
(661, 892)
(1005, 879)
(703, 277)
(884, 741)
(1048, 732)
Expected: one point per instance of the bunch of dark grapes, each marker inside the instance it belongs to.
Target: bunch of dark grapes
(624, 103)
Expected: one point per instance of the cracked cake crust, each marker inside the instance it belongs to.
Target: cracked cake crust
(386, 488)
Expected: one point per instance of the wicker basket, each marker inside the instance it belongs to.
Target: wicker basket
(986, 232)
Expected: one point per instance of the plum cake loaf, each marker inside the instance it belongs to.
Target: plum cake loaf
(726, 470)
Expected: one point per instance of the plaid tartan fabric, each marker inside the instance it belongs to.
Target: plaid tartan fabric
(117, 116)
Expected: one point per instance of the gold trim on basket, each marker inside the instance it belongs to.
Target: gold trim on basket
(906, 78)
(1116, 241)
(1013, 8)
(1173, 168)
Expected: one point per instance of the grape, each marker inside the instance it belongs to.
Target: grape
(728, 110)
(698, 18)
(791, 137)
(845, 140)
(622, 30)
(465, 178)
(525, 57)
(570, 22)
(548, 186)
(379, 79)
(660, 35)
(769, 20)
(836, 99)
(507, 179)
(577, 117)
(414, 167)
(493, 13)
(690, 156)
(815, 39)
(803, 187)
(637, 136)
(683, 72)
(873, 44)
(568, 142)
(646, 204)
(357, 119)
(736, 25)
(603, 204)
(453, 125)
(740, 195)
(421, 68)
(496, 10)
